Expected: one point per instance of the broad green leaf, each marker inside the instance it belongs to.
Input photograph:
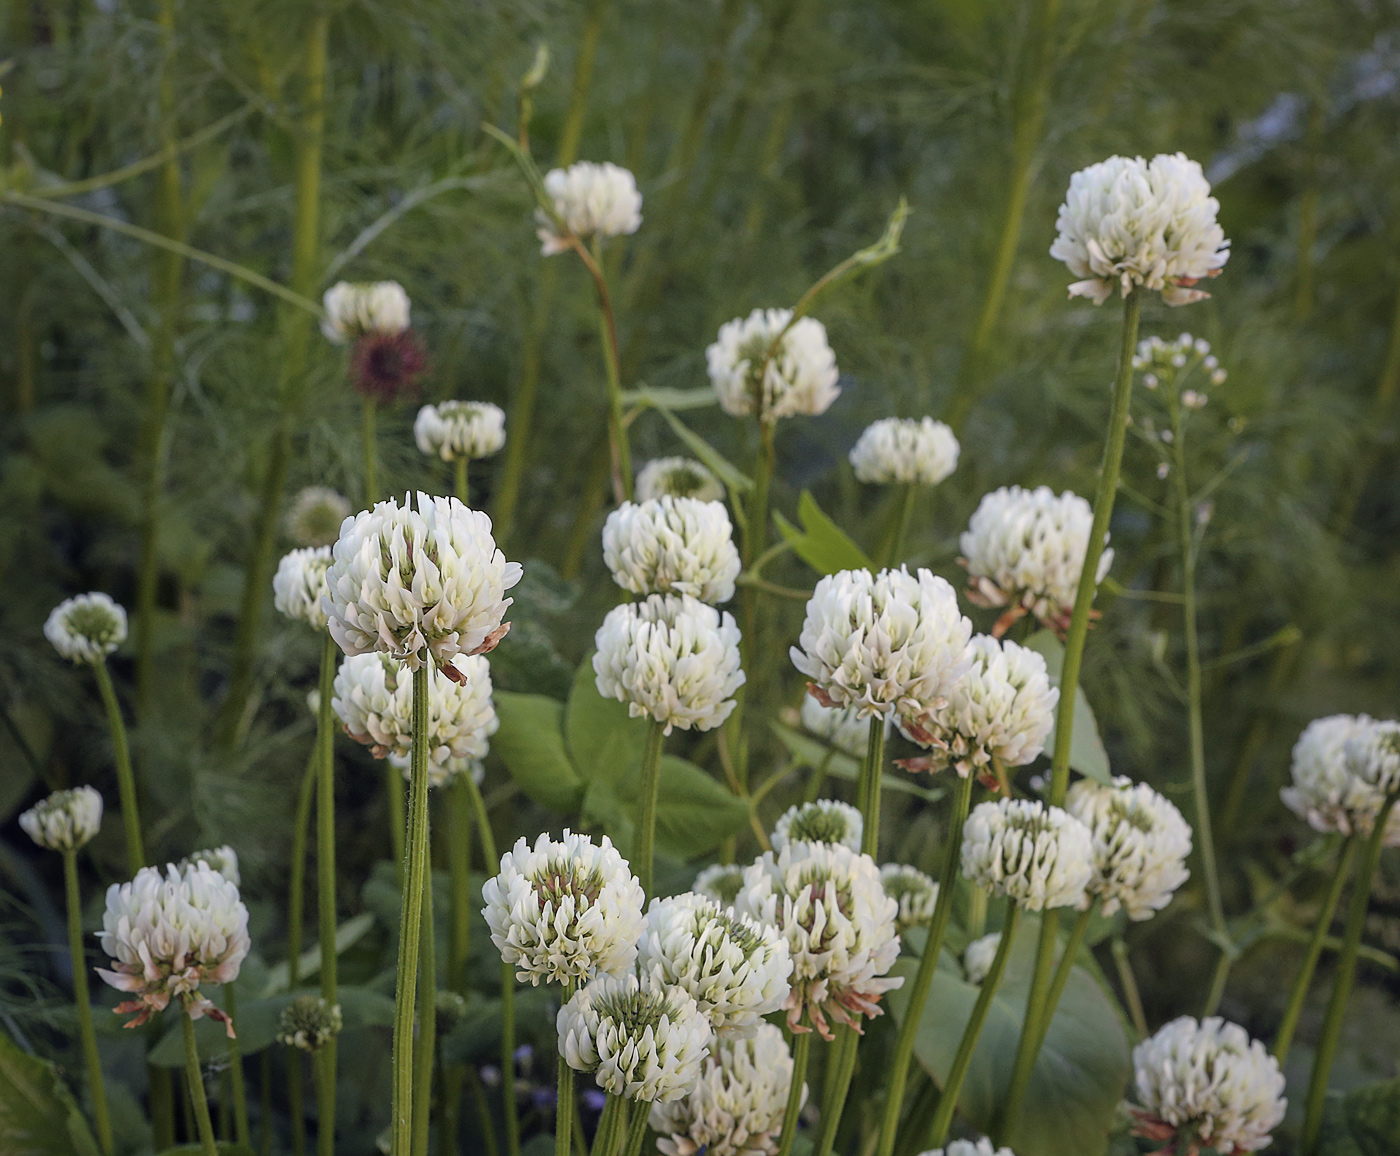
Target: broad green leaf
(1364, 1122)
(347, 935)
(694, 813)
(723, 469)
(38, 1115)
(611, 810)
(1079, 1078)
(1086, 750)
(604, 742)
(531, 743)
(821, 543)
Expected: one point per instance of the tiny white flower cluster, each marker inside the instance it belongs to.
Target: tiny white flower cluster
(453, 430)
(86, 627)
(671, 658)
(1128, 223)
(841, 726)
(1156, 358)
(1037, 856)
(800, 377)
(299, 586)
(978, 957)
(1326, 791)
(64, 821)
(592, 200)
(678, 477)
(982, 1147)
(915, 892)
(672, 546)
(315, 516)
(309, 1023)
(1210, 1081)
(905, 450)
(820, 821)
(354, 310)
(223, 859)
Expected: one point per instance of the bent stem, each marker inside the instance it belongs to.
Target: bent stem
(96, 1088)
(841, 1065)
(1342, 982)
(126, 781)
(325, 892)
(868, 792)
(928, 964)
(801, 1052)
(195, 1078)
(651, 790)
(952, 1087)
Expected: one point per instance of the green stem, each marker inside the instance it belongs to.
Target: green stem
(97, 1089)
(1301, 984)
(325, 891)
(904, 510)
(564, 1102)
(1342, 981)
(394, 793)
(126, 781)
(296, 889)
(483, 1113)
(755, 533)
(868, 792)
(841, 1065)
(1028, 1046)
(162, 1098)
(952, 1086)
(195, 1078)
(323, 1076)
(636, 1129)
(241, 1131)
(928, 964)
(369, 414)
(296, 1106)
(459, 481)
(1131, 996)
(522, 409)
(572, 132)
(643, 861)
(425, 1046)
(457, 815)
(801, 1051)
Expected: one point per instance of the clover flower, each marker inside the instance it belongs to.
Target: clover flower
(453, 430)
(672, 546)
(734, 967)
(167, 932)
(419, 584)
(840, 726)
(820, 821)
(299, 586)
(912, 451)
(670, 658)
(86, 627)
(829, 904)
(736, 1107)
(315, 516)
(982, 1147)
(563, 909)
(643, 1039)
(387, 366)
(223, 859)
(1325, 791)
(1141, 843)
(915, 892)
(354, 310)
(1209, 1084)
(1373, 756)
(591, 199)
(721, 882)
(680, 478)
(1128, 223)
(1026, 549)
(979, 955)
(64, 821)
(309, 1023)
(800, 377)
(882, 642)
(1036, 856)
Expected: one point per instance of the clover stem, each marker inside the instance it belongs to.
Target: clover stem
(868, 791)
(325, 891)
(195, 1078)
(644, 860)
(81, 997)
(801, 1051)
(126, 781)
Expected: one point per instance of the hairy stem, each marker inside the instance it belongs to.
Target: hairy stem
(126, 781)
(97, 1089)
(801, 1052)
(195, 1078)
(425, 1045)
(868, 791)
(325, 890)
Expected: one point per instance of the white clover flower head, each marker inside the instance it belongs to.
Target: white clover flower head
(1003, 708)
(840, 726)
(309, 1023)
(680, 478)
(591, 199)
(564, 909)
(829, 904)
(223, 859)
(299, 586)
(453, 430)
(820, 821)
(420, 584)
(64, 821)
(167, 932)
(721, 882)
(734, 967)
(982, 1147)
(1208, 1081)
(1025, 549)
(672, 546)
(355, 310)
(373, 697)
(912, 451)
(1127, 223)
(800, 378)
(1036, 856)
(641, 1038)
(883, 642)
(915, 892)
(1141, 843)
(978, 957)
(86, 627)
(1373, 756)
(670, 658)
(1326, 792)
(315, 516)
(736, 1107)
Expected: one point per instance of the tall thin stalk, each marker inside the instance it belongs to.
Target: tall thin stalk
(237, 1084)
(97, 1089)
(296, 900)
(457, 823)
(904, 509)
(564, 1100)
(325, 893)
(841, 1065)
(643, 862)
(195, 1078)
(425, 1045)
(868, 790)
(126, 781)
(801, 1052)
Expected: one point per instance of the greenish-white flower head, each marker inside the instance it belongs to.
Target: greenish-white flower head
(672, 546)
(64, 821)
(309, 1023)
(642, 1039)
(562, 910)
(1036, 856)
(736, 1107)
(86, 627)
(800, 378)
(223, 859)
(1325, 790)
(978, 956)
(982, 1147)
(915, 892)
(1373, 756)
(1129, 223)
(299, 586)
(677, 477)
(1208, 1081)
(457, 430)
(905, 450)
(841, 726)
(355, 310)
(820, 821)
(592, 200)
(315, 516)
(720, 882)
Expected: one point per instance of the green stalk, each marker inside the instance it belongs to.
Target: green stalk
(637, 1129)
(952, 1087)
(483, 1113)
(459, 479)
(410, 923)
(126, 781)
(868, 791)
(651, 791)
(928, 964)
(841, 1065)
(1028, 1046)
(801, 1051)
(1131, 996)
(1342, 982)
(755, 527)
(572, 132)
(1301, 984)
(235, 1066)
(606, 1138)
(425, 1044)
(904, 509)
(195, 1078)
(325, 893)
(394, 793)
(369, 416)
(564, 1101)
(296, 900)
(96, 1087)
(457, 818)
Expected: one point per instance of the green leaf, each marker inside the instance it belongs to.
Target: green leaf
(531, 743)
(668, 398)
(1086, 750)
(694, 813)
(821, 543)
(223, 1149)
(1364, 1122)
(1079, 1078)
(604, 741)
(476, 1038)
(729, 474)
(812, 752)
(347, 935)
(38, 1115)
